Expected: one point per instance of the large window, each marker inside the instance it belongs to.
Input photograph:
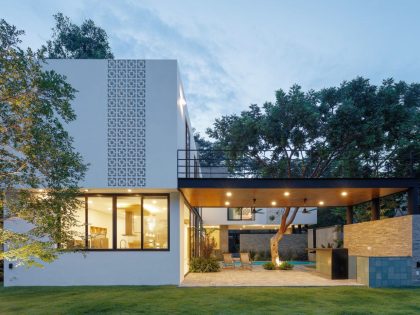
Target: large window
(122, 222)
(240, 214)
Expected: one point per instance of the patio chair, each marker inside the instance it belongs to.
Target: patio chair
(245, 261)
(228, 261)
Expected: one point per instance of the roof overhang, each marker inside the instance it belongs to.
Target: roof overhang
(211, 192)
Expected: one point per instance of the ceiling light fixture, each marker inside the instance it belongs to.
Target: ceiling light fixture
(344, 193)
(229, 194)
(273, 203)
(129, 190)
(321, 203)
(227, 203)
(286, 193)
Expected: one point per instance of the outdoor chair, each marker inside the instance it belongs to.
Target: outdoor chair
(228, 261)
(245, 261)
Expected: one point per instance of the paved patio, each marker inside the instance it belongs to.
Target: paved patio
(298, 277)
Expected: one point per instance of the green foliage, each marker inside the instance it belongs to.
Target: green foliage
(36, 153)
(201, 264)
(354, 130)
(269, 266)
(285, 265)
(69, 40)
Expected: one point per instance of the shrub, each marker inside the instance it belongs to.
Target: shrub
(269, 266)
(201, 264)
(285, 266)
(252, 254)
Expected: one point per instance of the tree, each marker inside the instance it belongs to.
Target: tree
(39, 170)
(354, 130)
(69, 40)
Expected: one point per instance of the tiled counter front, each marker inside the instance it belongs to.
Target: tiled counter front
(377, 272)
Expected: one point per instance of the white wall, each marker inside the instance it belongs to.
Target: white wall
(164, 114)
(89, 130)
(218, 216)
(108, 267)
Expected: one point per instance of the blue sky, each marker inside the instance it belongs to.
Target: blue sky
(235, 53)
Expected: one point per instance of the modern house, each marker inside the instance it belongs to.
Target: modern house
(146, 196)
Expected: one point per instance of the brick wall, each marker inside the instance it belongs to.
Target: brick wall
(381, 238)
(261, 242)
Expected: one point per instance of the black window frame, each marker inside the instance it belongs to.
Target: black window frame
(114, 223)
(241, 219)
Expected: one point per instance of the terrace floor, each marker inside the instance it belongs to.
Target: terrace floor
(298, 277)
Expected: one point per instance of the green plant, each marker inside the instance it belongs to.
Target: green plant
(201, 264)
(252, 254)
(285, 265)
(269, 266)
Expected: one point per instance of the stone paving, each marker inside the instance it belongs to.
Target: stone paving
(298, 277)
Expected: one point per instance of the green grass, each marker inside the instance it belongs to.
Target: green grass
(173, 300)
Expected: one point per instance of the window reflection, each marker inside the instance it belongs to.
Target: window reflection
(155, 222)
(128, 222)
(78, 229)
(100, 222)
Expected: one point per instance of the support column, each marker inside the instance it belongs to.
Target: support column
(413, 201)
(375, 209)
(349, 215)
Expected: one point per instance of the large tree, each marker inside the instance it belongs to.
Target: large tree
(69, 40)
(39, 169)
(354, 130)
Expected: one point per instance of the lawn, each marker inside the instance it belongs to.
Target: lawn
(173, 300)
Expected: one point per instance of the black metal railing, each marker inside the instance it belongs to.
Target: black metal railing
(302, 164)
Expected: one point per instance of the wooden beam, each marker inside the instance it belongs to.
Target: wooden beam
(375, 209)
(349, 215)
(413, 201)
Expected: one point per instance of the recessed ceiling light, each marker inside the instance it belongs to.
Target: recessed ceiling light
(40, 190)
(321, 203)
(227, 203)
(229, 194)
(129, 190)
(86, 190)
(286, 193)
(344, 193)
(154, 202)
(273, 203)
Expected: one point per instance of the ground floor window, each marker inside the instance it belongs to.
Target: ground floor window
(122, 222)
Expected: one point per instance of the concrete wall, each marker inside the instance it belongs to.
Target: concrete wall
(109, 267)
(296, 243)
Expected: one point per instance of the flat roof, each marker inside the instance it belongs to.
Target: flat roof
(212, 192)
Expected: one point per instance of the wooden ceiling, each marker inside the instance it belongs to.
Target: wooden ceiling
(243, 197)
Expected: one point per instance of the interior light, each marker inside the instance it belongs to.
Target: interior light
(229, 194)
(321, 203)
(286, 193)
(273, 203)
(227, 203)
(344, 193)
(129, 190)
(154, 202)
(40, 190)
(90, 202)
(86, 190)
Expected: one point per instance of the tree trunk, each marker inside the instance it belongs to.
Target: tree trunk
(274, 245)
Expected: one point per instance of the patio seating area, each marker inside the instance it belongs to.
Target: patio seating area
(298, 277)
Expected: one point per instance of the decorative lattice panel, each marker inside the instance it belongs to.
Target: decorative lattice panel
(126, 123)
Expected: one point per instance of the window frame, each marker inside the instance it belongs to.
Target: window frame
(114, 223)
(241, 219)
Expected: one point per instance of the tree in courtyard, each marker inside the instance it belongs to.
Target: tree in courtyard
(354, 130)
(69, 40)
(39, 169)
